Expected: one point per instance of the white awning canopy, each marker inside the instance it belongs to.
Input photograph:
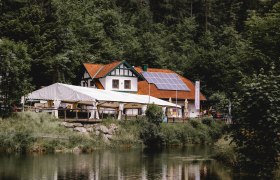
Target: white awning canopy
(70, 93)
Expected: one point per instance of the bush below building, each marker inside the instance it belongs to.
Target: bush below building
(39, 132)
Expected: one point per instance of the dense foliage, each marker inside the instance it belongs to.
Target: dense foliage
(257, 123)
(150, 132)
(215, 41)
(154, 114)
(155, 134)
(218, 42)
(14, 69)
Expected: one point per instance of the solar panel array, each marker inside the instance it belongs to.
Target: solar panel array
(166, 81)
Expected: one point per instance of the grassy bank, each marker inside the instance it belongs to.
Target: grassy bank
(38, 132)
(196, 131)
(224, 152)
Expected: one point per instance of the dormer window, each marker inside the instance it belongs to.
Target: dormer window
(127, 84)
(115, 84)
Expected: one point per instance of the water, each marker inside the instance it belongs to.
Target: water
(170, 164)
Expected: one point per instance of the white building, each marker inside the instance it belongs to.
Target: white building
(160, 83)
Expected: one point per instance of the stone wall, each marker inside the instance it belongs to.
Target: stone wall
(106, 132)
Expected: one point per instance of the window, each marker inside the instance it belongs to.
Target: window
(115, 84)
(132, 111)
(91, 84)
(127, 84)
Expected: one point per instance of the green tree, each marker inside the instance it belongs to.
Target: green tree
(263, 32)
(150, 133)
(219, 102)
(14, 72)
(154, 114)
(216, 63)
(256, 125)
(39, 25)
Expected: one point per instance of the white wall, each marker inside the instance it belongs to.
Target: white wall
(192, 111)
(86, 75)
(103, 82)
(109, 80)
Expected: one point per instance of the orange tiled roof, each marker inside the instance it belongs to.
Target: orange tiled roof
(92, 69)
(100, 70)
(107, 68)
(143, 87)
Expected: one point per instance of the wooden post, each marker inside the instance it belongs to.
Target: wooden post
(50, 102)
(64, 114)
(76, 114)
(87, 114)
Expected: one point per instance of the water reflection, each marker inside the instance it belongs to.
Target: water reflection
(191, 163)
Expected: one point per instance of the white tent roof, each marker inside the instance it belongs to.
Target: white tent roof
(70, 93)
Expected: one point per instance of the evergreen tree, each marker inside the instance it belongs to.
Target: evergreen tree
(14, 68)
(263, 31)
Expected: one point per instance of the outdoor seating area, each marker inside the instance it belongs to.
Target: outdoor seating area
(76, 103)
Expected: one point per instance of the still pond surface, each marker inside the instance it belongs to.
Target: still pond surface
(169, 164)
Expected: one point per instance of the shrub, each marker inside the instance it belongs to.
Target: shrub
(16, 141)
(172, 134)
(194, 123)
(128, 133)
(154, 114)
(151, 135)
(224, 152)
(108, 121)
(207, 120)
(192, 132)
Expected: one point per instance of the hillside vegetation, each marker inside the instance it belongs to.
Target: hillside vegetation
(218, 41)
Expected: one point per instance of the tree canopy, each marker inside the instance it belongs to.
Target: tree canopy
(257, 124)
(14, 69)
(217, 42)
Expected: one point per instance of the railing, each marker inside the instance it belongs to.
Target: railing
(79, 114)
(131, 117)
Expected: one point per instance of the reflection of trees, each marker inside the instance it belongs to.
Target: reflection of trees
(134, 164)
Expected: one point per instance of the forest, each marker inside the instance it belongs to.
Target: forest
(218, 42)
(230, 46)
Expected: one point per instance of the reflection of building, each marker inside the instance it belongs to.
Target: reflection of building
(161, 83)
(104, 164)
(181, 171)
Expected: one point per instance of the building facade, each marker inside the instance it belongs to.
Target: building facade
(160, 83)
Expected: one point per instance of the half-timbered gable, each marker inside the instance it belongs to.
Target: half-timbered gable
(117, 76)
(122, 70)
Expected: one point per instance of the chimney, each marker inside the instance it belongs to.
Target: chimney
(145, 67)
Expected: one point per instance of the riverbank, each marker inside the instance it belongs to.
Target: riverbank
(225, 153)
(39, 132)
